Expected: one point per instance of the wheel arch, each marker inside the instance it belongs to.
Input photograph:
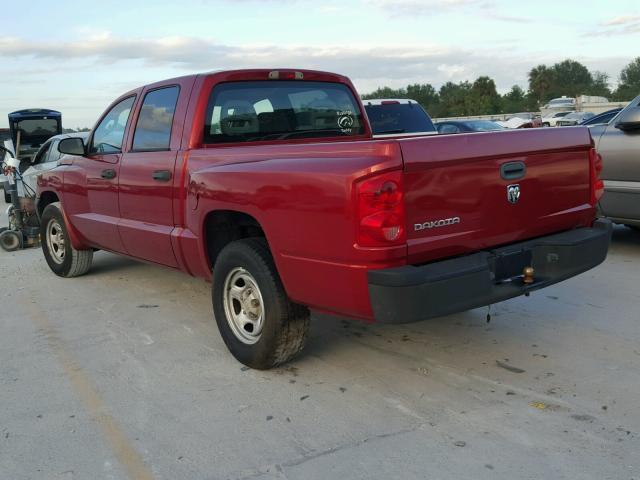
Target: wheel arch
(221, 227)
(46, 198)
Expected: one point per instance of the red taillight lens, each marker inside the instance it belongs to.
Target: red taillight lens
(380, 211)
(597, 185)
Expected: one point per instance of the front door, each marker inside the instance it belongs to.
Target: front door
(92, 199)
(147, 179)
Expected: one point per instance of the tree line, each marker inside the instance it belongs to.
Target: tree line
(480, 97)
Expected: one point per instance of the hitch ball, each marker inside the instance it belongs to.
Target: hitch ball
(528, 275)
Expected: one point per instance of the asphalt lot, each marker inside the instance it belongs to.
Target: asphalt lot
(122, 374)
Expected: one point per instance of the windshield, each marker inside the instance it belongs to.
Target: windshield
(398, 118)
(278, 110)
(563, 101)
(483, 125)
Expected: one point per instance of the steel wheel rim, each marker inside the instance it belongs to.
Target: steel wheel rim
(55, 241)
(243, 306)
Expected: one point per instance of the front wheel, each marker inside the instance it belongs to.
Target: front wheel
(62, 258)
(259, 324)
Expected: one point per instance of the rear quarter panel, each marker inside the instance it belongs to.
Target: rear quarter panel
(302, 195)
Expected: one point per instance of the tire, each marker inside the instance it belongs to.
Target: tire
(10, 240)
(273, 330)
(62, 258)
(545, 124)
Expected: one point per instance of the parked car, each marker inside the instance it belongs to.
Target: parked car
(467, 126)
(551, 119)
(574, 118)
(398, 117)
(602, 118)
(45, 159)
(522, 120)
(619, 144)
(269, 183)
(561, 103)
(28, 130)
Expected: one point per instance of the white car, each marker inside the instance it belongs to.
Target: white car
(551, 119)
(45, 159)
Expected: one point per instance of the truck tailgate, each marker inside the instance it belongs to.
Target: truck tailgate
(457, 189)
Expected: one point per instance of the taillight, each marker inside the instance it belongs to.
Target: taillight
(380, 211)
(597, 185)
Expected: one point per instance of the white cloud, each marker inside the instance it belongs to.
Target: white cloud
(621, 20)
(116, 62)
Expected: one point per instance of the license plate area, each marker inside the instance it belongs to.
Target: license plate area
(509, 265)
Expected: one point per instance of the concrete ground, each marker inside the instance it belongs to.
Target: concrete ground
(121, 374)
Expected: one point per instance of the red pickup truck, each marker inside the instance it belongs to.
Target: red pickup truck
(269, 183)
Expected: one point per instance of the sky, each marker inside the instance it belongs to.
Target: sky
(77, 57)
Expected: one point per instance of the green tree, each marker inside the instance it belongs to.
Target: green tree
(515, 101)
(453, 99)
(600, 85)
(541, 82)
(571, 78)
(425, 95)
(386, 92)
(483, 98)
(629, 82)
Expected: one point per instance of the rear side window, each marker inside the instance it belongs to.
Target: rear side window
(153, 129)
(278, 110)
(398, 118)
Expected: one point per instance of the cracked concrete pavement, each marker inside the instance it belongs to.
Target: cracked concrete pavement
(122, 374)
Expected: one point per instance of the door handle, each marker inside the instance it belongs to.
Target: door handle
(513, 170)
(162, 175)
(108, 174)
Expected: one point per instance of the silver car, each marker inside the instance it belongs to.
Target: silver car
(619, 144)
(574, 118)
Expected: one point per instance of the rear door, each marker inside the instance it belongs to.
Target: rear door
(146, 188)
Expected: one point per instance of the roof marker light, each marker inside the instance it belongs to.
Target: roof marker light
(278, 75)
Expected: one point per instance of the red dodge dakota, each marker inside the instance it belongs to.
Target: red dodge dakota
(269, 184)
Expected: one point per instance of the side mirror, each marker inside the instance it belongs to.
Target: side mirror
(72, 146)
(629, 120)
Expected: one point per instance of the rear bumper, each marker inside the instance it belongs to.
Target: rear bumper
(412, 293)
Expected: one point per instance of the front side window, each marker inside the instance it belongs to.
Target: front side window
(278, 110)
(109, 134)
(153, 129)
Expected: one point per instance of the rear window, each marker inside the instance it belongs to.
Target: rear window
(278, 110)
(36, 131)
(398, 118)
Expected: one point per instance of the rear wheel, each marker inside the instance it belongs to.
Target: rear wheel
(10, 240)
(62, 258)
(259, 324)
